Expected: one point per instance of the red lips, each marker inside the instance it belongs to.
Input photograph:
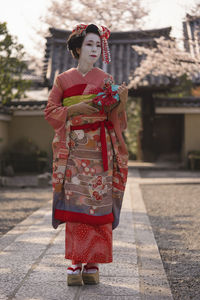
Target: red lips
(93, 55)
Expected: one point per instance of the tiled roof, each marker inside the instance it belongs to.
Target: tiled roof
(5, 110)
(124, 57)
(26, 105)
(36, 101)
(177, 102)
(191, 28)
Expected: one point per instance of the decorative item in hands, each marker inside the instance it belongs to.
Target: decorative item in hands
(107, 97)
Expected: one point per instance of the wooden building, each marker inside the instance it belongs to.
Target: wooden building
(191, 30)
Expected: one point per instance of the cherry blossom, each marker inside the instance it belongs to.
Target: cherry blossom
(165, 60)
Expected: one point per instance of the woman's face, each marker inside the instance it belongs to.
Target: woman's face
(91, 48)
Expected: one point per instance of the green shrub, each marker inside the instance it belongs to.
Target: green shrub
(24, 156)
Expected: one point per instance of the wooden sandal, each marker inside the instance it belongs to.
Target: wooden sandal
(74, 279)
(90, 278)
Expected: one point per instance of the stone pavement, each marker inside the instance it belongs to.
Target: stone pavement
(32, 263)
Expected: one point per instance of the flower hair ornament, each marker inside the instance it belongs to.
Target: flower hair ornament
(104, 33)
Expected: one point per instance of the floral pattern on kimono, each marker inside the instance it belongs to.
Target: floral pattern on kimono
(89, 207)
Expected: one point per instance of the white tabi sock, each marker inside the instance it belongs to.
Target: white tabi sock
(74, 272)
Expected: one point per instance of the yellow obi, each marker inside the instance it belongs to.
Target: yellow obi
(77, 99)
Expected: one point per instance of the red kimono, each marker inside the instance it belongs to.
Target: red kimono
(89, 167)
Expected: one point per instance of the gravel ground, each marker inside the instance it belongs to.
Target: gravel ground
(175, 218)
(18, 203)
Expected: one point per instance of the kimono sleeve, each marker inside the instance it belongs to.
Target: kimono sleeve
(123, 120)
(120, 117)
(55, 113)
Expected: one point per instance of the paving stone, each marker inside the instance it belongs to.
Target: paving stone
(52, 268)
(34, 266)
(99, 297)
(58, 246)
(116, 268)
(126, 256)
(20, 256)
(46, 291)
(113, 286)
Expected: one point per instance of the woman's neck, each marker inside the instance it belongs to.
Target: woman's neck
(84, 67)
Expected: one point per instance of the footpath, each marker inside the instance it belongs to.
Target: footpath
(32, 263)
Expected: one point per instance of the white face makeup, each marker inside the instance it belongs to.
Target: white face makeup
(91, 48)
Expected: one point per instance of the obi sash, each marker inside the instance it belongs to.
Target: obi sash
(91, 126)
(68, 101)
(104, 98)
(94, 126)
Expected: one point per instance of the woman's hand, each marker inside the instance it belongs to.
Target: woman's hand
(123, 95)
(82, 108)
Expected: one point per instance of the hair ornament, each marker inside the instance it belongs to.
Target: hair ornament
(104, 32)
(79, 29)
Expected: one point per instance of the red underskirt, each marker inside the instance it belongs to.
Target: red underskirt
(88, 243)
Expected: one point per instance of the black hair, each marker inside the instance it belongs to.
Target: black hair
(75, 41)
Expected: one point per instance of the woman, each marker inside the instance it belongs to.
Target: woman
(89, 156)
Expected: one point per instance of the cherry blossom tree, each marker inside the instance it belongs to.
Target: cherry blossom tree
(166, 59)
(115, 14)
(195, 9)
